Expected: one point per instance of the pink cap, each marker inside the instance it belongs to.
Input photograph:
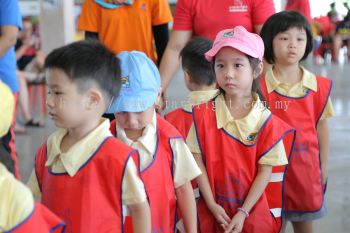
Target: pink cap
(238, 38)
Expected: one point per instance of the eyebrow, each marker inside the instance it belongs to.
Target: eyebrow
(234, 59)
(53, 86)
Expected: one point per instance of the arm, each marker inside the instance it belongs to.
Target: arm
(323, 141)
(170, 61)
(161, 37)
(255, 192)
(141, 217)
(186, 200)
(204, 186)
(8, 38)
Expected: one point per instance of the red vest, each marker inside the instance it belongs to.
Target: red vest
(41, 220)
(181, 120)
(232, 167)
(158, 180)
(91, 201)
(303, 185)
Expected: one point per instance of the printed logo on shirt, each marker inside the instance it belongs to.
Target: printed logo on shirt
(125, 82)
(238, 6)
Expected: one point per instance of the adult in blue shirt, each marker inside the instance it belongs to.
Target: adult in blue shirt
(10, 24)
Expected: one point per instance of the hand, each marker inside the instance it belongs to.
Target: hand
(236, 224)
(220, 215)
(161, 103)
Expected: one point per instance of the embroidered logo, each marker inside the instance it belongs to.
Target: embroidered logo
(228, 34)
(238, 6)
(250, 139)
(143, 6)
(125, 82)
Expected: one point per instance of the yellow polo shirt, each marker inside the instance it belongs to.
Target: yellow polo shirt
(198, 97)
(16, 200)
(242, 129)
(186, 168)
(7, 107)
(307, 82)
(81, 152)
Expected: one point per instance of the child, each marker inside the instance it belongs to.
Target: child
(18, 213)
(167, 166)
(84, 174)
(199, 79)
(236, 140)
(302, 100)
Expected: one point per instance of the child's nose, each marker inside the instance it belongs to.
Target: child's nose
(49, 101)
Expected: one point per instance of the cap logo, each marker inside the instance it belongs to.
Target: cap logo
(125, 82)
(228, 34)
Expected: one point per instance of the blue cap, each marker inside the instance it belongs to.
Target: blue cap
(140, 83)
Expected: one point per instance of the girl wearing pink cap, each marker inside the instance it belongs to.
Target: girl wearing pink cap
(237, 142)
(288, 40)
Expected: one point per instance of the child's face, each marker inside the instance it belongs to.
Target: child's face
(134, 121)
(233, 72)
(289, 46)
(67, 106)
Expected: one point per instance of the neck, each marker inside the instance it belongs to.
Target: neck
(239, 105)
(287, 73)
(77, 133)
(203, 87)
(133, 134)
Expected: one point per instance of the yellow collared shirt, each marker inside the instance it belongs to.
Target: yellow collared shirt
(198, 97)
(308, 82)
(186, 168)
(7, 106)
(243, 129)
(81, 152)
(16, 201)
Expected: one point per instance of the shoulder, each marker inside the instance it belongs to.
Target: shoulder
(166, 128)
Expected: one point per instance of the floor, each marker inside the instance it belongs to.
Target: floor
(338, 194)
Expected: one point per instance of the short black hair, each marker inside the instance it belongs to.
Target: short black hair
(281, 22)
(193, 61)
(88, 63)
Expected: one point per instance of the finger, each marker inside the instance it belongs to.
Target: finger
(230, 227)
(223, 221)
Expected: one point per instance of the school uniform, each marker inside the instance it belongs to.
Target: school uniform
(88, 184)
(231, 150)
(165, 165)
(302, 105)
(18, 211)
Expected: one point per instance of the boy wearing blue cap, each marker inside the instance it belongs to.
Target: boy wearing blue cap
(166, 164)
(82, 173)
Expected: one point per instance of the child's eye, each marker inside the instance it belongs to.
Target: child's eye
(219, 65)
(283, 38)
(237, 65)
(301, 39)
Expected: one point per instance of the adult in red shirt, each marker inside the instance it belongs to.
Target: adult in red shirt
(302, 6)
(206, 18)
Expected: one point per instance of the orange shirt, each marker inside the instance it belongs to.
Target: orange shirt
(126, 28)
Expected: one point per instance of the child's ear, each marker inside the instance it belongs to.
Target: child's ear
(188, 77)
(94, 97)
(258, 70)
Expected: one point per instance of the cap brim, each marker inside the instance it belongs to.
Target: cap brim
(236, 45)
(127, 104)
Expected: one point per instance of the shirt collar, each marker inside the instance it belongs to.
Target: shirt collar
(248, 122)
(148, 138)
(80, 152)
(308, 80)
(198, 97)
